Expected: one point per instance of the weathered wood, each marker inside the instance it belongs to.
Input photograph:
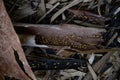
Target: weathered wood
(77, 37)
(90, 17)
(13, 64)
(98, 66)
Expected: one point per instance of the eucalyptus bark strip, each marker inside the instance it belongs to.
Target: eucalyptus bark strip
(13, 64)
(77, 37)
(90, 17)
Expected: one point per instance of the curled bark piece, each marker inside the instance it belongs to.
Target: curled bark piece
(77, 37)
(13, 64)
(85, 15)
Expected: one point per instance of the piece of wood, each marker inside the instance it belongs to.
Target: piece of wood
(99, 65)
(13, 64)
(77, 37)
(90, 17)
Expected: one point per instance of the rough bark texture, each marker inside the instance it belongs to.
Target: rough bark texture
(77, 37)
(13, 64)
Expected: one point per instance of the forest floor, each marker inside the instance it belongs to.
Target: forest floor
(54, 60)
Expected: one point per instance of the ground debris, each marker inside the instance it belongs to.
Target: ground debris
(54, 33)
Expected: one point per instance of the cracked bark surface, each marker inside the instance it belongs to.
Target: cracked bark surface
(9, 43)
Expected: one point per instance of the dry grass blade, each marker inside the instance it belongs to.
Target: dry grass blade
(97, 50)
(52, 1)
(42, 8)
(47, 76)
(92, 72)
(12, 7)
(99, 4)
(111, 40)
(87, 0)
(91, 4)
(75, 2)
(107, 72)
(48, 12)
(107, 10)
(23, 12)
(49, 6)
(71, 73)
(101, 63)
(63, 16)
(62, 52)
(117, 10)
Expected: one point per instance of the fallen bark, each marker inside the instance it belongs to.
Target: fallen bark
(77, 37)
(98, 66)
(90, 17)
(13, 64)
(55, 64)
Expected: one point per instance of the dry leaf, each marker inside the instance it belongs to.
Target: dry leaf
(23, 12)
(87, 0)
(42, 8)
(92, 72)
(75, 2)
(71, 73)
(52, 1)
(49, 6)
(48, 12)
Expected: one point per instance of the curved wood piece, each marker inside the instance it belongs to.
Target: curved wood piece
(13, 64)
(90, 17)
(71, 35)
(77, 37)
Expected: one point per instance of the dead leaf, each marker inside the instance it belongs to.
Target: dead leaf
(48, 12)
(94, 75)
(75, 2)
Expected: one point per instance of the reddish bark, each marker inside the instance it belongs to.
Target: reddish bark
(71, 35)
(91, 17)
(78, 37)
(11, 53)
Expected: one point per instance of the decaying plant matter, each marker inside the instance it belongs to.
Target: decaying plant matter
(71, 32)
(13, 64)
(90, 17)
(78, 37)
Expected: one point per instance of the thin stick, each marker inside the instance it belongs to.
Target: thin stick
(97, 51)
(48, 12)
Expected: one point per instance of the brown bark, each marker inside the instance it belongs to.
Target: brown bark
(13, 64)
(97, 68)
(90, 17)
(77, 37)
